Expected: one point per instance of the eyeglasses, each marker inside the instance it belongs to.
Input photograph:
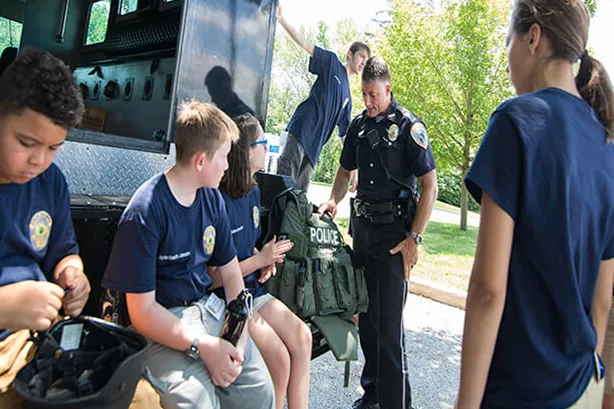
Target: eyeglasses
(260, 142)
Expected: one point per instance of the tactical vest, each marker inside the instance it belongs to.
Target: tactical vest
(317, 277)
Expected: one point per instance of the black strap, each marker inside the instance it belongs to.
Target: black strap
(389, 175)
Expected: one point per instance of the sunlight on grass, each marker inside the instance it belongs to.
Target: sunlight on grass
(446, 257)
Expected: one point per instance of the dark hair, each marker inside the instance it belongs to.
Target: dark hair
(357, 46)
(238, 180)
(39, 81)
(566, 24)
(8, 56)
(376, 69)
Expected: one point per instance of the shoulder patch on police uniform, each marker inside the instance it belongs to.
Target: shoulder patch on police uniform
(209, 240)
(40, 229)
(393, 132)
(256, 214)
(419, 135)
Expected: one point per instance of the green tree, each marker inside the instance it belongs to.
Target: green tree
(99, 20)
(322, 37)
(448, 67)
(10, 33)
(290, 80)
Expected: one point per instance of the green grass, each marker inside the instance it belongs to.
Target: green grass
(449, 207)
(446, 257)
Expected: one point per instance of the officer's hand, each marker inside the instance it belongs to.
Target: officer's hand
(353, 181)
(409, 250)
(77, 288)
(30, 305)
(330, 207)
(267, 272)
(222, 360)
(275, 251)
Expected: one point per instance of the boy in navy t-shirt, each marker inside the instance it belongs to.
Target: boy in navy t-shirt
(174, 225)
(329, 104)
(541, 284)
(40, 269)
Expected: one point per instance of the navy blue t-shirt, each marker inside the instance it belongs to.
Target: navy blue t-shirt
(164, 246)
(244, 216)
(329, 104)
(545, 162)
(36, 229)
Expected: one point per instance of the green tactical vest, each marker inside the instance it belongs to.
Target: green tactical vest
(317, 277)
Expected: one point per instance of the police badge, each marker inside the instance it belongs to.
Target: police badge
(419, 135)
(393, 132)
(256, 216)
(209, 240)
(40, 229)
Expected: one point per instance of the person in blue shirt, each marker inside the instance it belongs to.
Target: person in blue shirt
(40, 268)
(174, 225)
(541, 285)
(282, 338)
(608, 360)
(329, 104)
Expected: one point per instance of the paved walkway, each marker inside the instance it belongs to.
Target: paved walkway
(318, 194)
(433, 334)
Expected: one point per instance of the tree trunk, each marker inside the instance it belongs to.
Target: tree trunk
(464, 204)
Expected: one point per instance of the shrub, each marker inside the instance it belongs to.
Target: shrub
(450, 190)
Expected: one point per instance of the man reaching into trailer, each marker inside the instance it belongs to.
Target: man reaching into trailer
(329, 104)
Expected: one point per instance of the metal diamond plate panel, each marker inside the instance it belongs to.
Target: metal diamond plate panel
(104, 170)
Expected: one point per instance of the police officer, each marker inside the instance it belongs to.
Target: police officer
(390, 148)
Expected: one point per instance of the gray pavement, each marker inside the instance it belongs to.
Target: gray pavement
(318, 194)
(433, 332)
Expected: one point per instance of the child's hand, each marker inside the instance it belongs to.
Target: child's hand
(275, 252)
(266, 273)
(30, 305)
(222, 360)
(77, 289)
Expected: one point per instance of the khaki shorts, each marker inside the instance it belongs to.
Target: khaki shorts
(608, 354)
(261, 300)
(592, 398)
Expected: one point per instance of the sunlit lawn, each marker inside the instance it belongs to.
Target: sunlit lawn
(446, 256)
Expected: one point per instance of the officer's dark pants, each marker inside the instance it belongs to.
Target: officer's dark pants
(385, 377)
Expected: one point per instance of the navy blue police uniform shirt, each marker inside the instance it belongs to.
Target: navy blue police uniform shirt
(244, 216)
(329, 104)
(36, 229)
(164, 246)
(402, 144)
(545, 162)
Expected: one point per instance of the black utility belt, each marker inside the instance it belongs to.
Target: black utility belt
(382, 212)
(187, 303)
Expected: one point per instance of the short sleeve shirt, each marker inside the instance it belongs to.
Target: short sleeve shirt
(329, 104)
(545, 162)
(164, 246)
(36, 229)
(398, 152)
(245, 227)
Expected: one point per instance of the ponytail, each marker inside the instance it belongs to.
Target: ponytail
(595, 88)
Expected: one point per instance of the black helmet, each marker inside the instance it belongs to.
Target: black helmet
(83, 362)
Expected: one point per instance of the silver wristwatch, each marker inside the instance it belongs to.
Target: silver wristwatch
(192, 351)
(417, 237)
